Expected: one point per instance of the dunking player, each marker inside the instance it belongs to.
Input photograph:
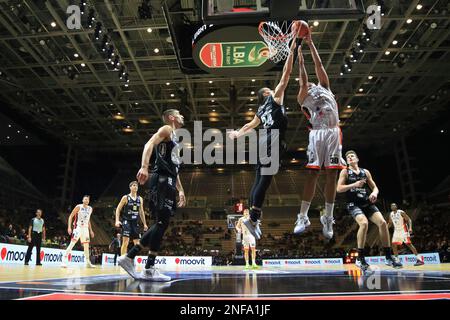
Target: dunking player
(134, 207)
(80, 216)
(325, 140)
(164, 182)
(402, 229)
(361, 205)
(248, 240)
(272, 114)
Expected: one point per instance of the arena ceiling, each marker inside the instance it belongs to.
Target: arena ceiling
(58, 82)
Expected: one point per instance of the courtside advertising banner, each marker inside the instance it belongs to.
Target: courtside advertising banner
(165, 261)
(15, 254)
(407, 259)
(302, 262)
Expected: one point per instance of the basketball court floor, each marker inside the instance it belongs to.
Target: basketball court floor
(227, 283)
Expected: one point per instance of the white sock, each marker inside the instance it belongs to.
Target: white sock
(304, 208)
(69, 249)
(86, 255)
(418, 257)
(329, 207)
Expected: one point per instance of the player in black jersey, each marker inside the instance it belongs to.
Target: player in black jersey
(272, 114)
(133, 207)
(164, 183)
(361, 205)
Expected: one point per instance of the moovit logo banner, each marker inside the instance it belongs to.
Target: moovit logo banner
(15, 254)
(174, 261)
(274, 262)
(408, 259)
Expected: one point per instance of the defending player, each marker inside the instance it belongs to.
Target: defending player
(272, 114)
(133, 206)
(248, 241)
(164, 182)
(80, 216)
(361, 205)
(402, 229)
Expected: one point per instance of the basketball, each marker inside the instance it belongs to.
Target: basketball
(302, 29)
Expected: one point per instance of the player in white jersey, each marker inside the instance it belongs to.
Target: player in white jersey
(248, 240)
(80, 217)
(325, 140)
(402, 229)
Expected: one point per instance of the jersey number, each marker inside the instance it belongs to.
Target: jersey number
(267, 119)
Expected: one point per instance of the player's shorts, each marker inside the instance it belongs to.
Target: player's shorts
(163, 193)
(400, 236)
(367, 209)
(81, 233)
(325, 149)
(248, 241)
(130, 229)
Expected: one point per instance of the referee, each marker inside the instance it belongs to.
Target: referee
(35, 238)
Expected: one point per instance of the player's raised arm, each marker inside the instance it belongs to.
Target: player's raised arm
(284, 81)
(320, 70)
(245, 129)
(303, 78)
(162, 134)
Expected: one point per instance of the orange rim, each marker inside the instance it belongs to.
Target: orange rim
(279, 38)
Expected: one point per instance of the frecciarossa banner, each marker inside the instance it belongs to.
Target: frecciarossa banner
(161, 261)
(15, 254)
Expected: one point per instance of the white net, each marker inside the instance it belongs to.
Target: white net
(278, 36)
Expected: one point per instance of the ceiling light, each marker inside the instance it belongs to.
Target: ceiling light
(83, 65)
(76, 55)
(370, 77)
(394, 42)
(53, 24)
(253, 80)
(172, 95)
(212, 93)
(149, 30)
(316, 23)
(387, 53)
(409, 21)
(253, 92)
(210, 81)
(419, 6)
(167, 83)
(156, 50)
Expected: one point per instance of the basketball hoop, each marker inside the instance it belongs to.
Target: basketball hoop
(278, 37)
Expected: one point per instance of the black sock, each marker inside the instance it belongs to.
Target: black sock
(150, 261)
(361, 254)
(255, 214)
(387, 252)
(134, 251)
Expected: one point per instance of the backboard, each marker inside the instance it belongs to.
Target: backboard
(254, 11)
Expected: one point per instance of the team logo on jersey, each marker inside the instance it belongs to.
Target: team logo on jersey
(135, 208)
